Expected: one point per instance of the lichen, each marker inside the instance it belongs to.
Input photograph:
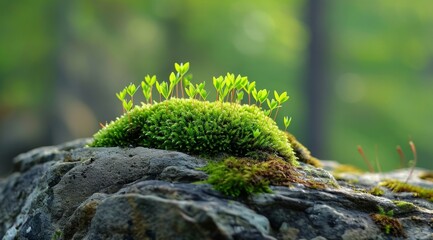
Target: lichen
(197, 127)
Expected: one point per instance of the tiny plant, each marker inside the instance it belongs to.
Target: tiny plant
(387, 223)
(196, 126)
(413, 164)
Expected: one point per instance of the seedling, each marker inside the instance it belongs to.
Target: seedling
(249, 87)
(287, 122)
(387, 223)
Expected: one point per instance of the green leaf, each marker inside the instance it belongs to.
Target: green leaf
(256, 133)
(127, 105)
(254, 93)
(203, 94)
(172, 77)
(262, 95)
(250, 87)
(121, 95)
(163, 89)
(185, 68)
(218, 83)
(272, 104)
(239, 95)
(147, 91)
(281, 98)
(178, 67)
(150, 80)
(131, 89)
(190, 91)
(287, 122)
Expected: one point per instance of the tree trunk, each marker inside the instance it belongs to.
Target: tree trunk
(315, 77)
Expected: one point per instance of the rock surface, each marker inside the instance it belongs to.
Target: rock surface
(72, 192)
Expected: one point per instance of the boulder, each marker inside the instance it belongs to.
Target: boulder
(75, 192)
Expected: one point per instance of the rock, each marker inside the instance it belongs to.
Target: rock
(73, 192)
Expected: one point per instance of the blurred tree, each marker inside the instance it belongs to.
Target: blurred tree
(316, 77)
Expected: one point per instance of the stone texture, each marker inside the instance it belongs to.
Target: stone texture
(73, 192)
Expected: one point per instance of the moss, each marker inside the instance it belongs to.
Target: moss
(303, 154)
(404, 206)
(241, 177)
(197, 127)
(388, 224)
(397, 186)
(237, 177)
(376, 191)
(343, 168)
(57, 235)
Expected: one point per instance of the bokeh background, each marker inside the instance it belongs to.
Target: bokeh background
(358, 72)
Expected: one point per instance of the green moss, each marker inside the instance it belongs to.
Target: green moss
(58, 234)
(404, 206)
(197, 127)
(387, 223)
(376, 191)
(237, 177)
(241, 177)
(397, 186)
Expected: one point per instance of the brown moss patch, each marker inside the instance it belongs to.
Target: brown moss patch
(303, 154)
(389, 225)
(244, 176)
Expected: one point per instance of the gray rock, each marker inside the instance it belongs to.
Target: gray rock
(73, 192)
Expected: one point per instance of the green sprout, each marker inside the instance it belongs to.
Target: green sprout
(182, 70)
(249, 87)
(163, 89)
(256, 133)
(260, 96)
(287, 122)
(272, 105)
(201, 91)
(280, 99)
(147, 86)
(190, 91)
(218, 84)
(121, 96)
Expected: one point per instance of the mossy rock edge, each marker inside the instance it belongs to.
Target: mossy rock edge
(197, 127)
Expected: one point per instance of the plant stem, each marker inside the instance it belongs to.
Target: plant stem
(276, 112)
(361, 152)
(412, 147)
(402, 157)
(181, 87)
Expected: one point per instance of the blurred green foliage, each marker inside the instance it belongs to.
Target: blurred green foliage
(379, 70)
